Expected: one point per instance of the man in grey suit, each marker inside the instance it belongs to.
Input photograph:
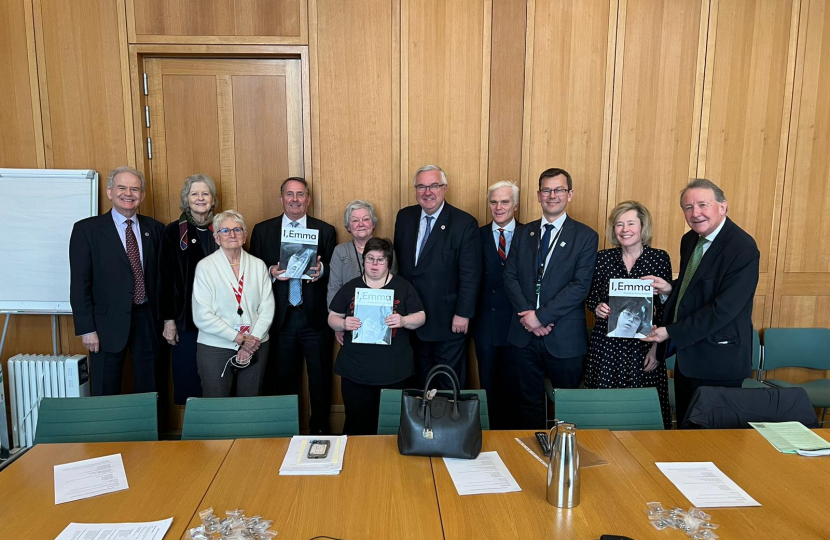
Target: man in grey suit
(547, 277)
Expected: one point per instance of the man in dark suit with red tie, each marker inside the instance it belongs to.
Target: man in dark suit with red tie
(113, 260)
(300, 314)
(709, 306)
(439, 253)
(547, 277)
(495, 370)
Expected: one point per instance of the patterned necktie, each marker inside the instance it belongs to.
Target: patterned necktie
(502, 245)
(295, 285)
(426, 235)
(135, 262)
(697, 255)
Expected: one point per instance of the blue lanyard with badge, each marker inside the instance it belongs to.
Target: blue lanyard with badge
(543, 261)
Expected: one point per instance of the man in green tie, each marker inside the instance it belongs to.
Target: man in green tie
(709, 306)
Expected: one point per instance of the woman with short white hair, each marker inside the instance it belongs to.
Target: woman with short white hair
(233, 307)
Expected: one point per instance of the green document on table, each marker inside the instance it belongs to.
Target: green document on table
(792, 438)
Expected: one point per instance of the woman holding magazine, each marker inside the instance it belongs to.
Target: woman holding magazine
(615, 361)
(376, 352)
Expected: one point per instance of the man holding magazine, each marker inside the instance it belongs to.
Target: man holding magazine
(286, 243)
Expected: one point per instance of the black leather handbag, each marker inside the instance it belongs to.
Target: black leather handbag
(440, 425)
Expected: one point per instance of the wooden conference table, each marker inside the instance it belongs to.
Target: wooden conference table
(794, 491)
(382, 495)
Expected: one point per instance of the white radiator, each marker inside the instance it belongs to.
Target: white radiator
(35, 376)
(4, 428)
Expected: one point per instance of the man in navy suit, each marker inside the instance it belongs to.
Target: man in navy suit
(439, 253)
(547, 277)
(494, 311)
(113, 261)
(300, 313)
(709, 306)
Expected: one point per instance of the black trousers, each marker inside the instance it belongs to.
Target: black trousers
(684, 389)
(143, 343)
(497, 376)
(534, 363)
(186, 381)
(362, 404)
(297, 339)
(221, 379)
(429, 354)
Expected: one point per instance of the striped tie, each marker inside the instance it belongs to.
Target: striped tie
(502, 245)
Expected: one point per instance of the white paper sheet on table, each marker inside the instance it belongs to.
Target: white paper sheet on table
(89, 478)
(705, 485)
(152, 530)
(485, 474)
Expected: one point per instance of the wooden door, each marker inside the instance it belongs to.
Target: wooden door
(238, 120)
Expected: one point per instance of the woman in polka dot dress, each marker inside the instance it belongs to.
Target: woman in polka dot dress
(627, 363)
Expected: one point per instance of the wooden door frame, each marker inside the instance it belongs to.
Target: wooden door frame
(137, 54)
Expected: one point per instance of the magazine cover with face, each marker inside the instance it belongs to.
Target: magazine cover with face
(372, 306)
(298, 251)
(632, 308)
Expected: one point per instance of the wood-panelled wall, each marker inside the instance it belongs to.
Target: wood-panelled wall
(634, 97)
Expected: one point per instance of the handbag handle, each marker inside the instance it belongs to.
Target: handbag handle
(441, 369)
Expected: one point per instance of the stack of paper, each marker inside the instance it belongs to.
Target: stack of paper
(298, 463)
(792, 438)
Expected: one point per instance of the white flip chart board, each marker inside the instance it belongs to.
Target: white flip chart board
(38, 208)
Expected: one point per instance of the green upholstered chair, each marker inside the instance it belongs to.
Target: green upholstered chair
(389, 417)
(129, 417)
(803, 348)
(613, 408)
(241, 417)
(752, 382)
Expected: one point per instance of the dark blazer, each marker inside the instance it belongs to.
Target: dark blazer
(494, 309)
(448, 273)
(101, 287)
(265, 244)
(177, 270)
(713, 332)
(565, 286)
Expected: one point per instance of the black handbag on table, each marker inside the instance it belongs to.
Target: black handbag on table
(439, 425)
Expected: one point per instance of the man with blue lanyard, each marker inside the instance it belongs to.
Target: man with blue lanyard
(547, 276)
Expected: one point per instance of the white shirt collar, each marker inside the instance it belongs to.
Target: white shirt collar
(557, 223)
(119, 218)
(436, 214)
(286, 221)
(714, 234)
(510, 227)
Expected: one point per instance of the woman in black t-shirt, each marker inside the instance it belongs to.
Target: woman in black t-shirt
(367, 368)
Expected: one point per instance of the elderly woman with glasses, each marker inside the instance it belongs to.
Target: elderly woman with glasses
(233, 307)
(186, 241)
(382, 357)
(616, 357)
(347, 261)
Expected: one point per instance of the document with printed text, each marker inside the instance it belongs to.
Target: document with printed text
(705, 485)
(485, 474)
(792, 438)
(152, 530)
(89, 478)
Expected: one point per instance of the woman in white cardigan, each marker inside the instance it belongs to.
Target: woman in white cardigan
(233, 307)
